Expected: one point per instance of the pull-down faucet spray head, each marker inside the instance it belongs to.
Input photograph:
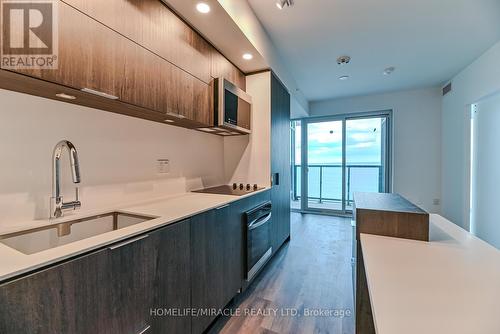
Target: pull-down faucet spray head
(57, 204)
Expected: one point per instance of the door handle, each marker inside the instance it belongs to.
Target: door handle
(101, 94)
(145, 330)
(128, 242)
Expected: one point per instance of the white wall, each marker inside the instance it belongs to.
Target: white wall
(248, 158)
(486, 171)
(117, 156)
(478, 80)
(243, 15)
(416, 138)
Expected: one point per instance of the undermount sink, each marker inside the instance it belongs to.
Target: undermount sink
(51, 236)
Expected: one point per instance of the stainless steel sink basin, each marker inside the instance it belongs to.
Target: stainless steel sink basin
(47, 237)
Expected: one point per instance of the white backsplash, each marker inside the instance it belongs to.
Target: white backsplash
(118, 157)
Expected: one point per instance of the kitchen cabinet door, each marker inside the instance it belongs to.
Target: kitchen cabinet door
(151, 24)
(86, 54)
(280, 162)
(109, 291)
(235, 247)
(185, 96)
(68, 298)
(129, 285)
(95, 57)
(221, 67)
(172, 283)
(207, 265)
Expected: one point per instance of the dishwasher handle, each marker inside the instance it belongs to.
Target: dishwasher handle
(259, 222)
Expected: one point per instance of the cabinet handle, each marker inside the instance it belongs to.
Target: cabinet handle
(98, 93)
(169, 113)
(128, 242)
(145, 330)
(222, 207)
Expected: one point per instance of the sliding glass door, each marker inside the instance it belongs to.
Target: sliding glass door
(366, 156)
(324, 166)
(338, 156)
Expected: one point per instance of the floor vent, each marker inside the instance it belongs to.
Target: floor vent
(447, 89)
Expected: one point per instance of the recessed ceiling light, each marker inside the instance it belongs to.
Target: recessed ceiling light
(344, 77)
(203, 8)
(169, 121)
(247, 56)
(389, 70)
(66, 96)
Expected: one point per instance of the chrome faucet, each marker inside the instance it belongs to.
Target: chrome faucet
(57, 204)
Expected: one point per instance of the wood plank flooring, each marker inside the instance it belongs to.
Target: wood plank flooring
(313, 272)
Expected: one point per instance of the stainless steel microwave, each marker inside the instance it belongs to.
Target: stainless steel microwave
(233, 107)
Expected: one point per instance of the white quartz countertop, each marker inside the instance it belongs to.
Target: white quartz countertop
(168, 210)
(448, 285)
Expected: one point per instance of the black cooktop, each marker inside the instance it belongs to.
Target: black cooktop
(235, 189)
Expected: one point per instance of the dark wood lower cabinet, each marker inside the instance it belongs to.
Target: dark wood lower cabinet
(172, 283)
(209, 293)
(151, 281)
(111, 291)
(106, 292)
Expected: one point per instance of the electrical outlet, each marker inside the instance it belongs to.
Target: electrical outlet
(163, 166)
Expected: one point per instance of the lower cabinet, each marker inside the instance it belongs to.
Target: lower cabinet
(172, 282)
(109, 291)
(146, 284)
(215, 267)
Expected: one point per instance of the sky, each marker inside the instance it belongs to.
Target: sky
(363, 142)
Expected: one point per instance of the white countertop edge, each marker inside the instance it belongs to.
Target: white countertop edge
(456, 240)
(15, 263)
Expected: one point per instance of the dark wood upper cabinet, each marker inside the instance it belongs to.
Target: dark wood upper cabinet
(151, 24)
(95, 57)
(221, 67)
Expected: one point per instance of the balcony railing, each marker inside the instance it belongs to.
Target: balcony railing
(325, 182)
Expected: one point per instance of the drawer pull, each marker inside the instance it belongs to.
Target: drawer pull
(128, 242)
(144, 330)
(101, 94)
(169, 113)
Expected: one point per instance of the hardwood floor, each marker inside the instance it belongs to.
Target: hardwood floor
(311, 272)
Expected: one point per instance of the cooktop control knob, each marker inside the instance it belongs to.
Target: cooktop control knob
(235, 186)
(248, 187)
(255, 187)
(241, 186)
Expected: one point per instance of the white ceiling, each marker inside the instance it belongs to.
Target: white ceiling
(428, 41)
(219, 28)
